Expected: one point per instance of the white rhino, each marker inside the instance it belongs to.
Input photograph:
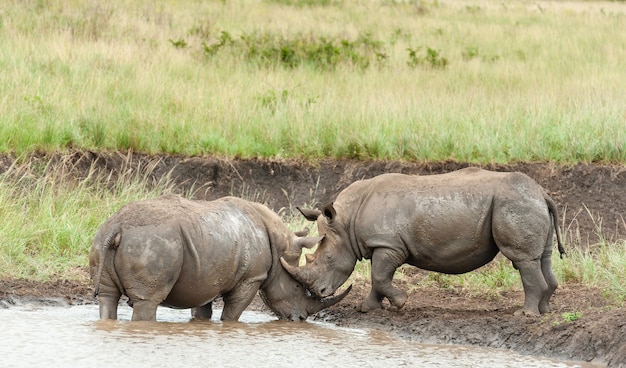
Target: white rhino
(183, 254)
(450, 223)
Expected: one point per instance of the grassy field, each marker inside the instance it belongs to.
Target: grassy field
(477, 81)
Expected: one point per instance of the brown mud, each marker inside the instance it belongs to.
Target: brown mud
(590, 198)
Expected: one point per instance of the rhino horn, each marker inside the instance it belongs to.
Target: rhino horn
(307, 242)
(309, 258)
(319, 304)
(303, 232)
(302, 275)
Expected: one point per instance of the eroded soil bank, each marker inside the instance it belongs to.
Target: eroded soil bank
(590, 198)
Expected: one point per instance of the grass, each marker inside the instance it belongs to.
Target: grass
(49, 217)
(477, 81)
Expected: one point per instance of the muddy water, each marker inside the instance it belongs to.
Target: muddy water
(61, 336)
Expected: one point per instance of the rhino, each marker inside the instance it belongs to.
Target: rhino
(180, 253)
(449, 223)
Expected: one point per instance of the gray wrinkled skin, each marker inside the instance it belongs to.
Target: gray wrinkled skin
(183, 254)
(451, 223)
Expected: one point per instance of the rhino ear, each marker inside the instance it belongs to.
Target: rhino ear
(329, 212)
(309, 214)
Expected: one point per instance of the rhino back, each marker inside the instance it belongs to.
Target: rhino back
(225, 244)
(441, 222)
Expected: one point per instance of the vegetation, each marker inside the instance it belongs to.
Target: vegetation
(417, 80)
(386, 79)
(49, 218)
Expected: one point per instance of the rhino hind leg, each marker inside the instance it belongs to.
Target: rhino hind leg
(384, 265)
(204, 312)
(107, 304)
(548, 275)
(144, 310)
(535, 286)
(546, 268)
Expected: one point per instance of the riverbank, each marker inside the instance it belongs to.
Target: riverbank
(586, 323)
(583, 325)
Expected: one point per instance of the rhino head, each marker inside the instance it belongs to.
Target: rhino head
(333, 261)
(287, 297)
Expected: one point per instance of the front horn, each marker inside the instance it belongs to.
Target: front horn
(318, 305)
(301, 275)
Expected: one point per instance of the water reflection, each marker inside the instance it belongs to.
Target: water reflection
(72, 336)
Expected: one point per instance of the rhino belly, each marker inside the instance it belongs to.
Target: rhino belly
(453, 258)
(191, 295)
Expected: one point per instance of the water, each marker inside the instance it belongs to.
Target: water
(61, 336)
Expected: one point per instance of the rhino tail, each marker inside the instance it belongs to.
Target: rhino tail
(109, 245)
(555, 220)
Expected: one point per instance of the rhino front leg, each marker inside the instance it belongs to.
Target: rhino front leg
(384, 265)
(238, 299)
(204, 312)
(535, 286)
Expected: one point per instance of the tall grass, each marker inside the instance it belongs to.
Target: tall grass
(49, 218)
(479, 81)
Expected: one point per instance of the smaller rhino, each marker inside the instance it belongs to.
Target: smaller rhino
(180, 253)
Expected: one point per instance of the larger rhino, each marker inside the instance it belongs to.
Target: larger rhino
(183, 254)
(450, 223)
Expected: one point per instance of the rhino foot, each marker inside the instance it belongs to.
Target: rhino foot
(371, 303)
(399, 300)
(526, 312)
(367, 307)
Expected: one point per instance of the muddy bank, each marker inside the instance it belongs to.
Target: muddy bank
(589, 197)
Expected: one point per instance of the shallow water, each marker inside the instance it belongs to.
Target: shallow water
(58, 336)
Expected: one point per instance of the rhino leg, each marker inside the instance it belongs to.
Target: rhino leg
(144, 310)
(238, 299)
(384, 264)
(204, 312)
(108, 297)
(535, 286)
(146, 290)
(107, 305)
(548, 275)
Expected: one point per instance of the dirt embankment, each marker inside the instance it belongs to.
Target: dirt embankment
(590, 199)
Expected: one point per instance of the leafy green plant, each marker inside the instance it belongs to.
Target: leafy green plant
(224, 39)
(179, 43)
(571, 316)
(426, 57)
(470, 53)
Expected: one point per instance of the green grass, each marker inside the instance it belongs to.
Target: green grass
(416, 80)
(49, 218)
